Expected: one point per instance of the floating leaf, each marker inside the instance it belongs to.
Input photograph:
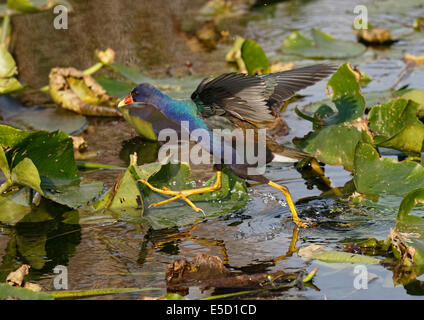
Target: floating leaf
(177, 88)
(416, 95)
(8, 85)
(234, 55)
(7, 63)
(321, 46)
(344, 257)
(395, 125)
(338, 133)
(67, 294)
(10, 136)
(230, 197)
(53, 156)
(377, 176)
(125, 200)
(334, 145)
(214, 204)
(254, 57)
(4, 165)
(115, 88)
(7, 291)
(25, 173)
(346, 95)
(75, 196)
(40, 118)
(390, 118)
(79, 92)
(11, 212)
(372, 98)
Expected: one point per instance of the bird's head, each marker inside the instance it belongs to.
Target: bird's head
(142, 93)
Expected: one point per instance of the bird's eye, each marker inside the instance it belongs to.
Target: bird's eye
(135, 93)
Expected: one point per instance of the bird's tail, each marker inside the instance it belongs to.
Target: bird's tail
(284, 154)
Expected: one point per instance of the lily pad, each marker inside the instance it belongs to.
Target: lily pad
(114, 87)
(7, 63)
(346, 95)
(321, 46)
(8, 291)
(53, 158)
(372, 98)
(377, 176)
(334, 145)
(344, 257)
(40, 118)
(125, 201)
(12, 212)
(254, 57)
(26, 174)
(337, 133)
(177, 88)
(395, 125)
(232, 196)
(10, 136)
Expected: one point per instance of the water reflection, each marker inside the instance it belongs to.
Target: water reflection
(48, 236)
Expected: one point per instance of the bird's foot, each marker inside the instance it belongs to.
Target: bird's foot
(302, 224)
(184, 194)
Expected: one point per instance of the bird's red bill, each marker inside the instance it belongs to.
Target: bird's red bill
(128, 99)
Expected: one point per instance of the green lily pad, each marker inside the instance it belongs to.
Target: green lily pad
(334, 145)
(52, 157)
(344, 257)
(52, 154)
(395, 125)
(254, 57)
(337, 133)
(10, 136)
(7, 63)
(232, 196)
(377, 176)
(8, 85)
(390, 118)
(346, 96)
(372, 98)
(8, 291)
(177, 88)
(175, 176)
(40, 118)
(12, 212)
(124, 201)
(416, 95)
(321, 46)
(4, 165)
(75, 196)
(114, 87)
(25, 173)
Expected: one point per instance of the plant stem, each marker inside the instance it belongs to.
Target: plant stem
(93, 68)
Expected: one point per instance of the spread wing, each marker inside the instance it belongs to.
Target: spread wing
(284, 85)
(250, 97)
(241, 95)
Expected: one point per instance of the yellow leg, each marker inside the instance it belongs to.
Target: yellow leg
(286, 193)
(184, 194)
